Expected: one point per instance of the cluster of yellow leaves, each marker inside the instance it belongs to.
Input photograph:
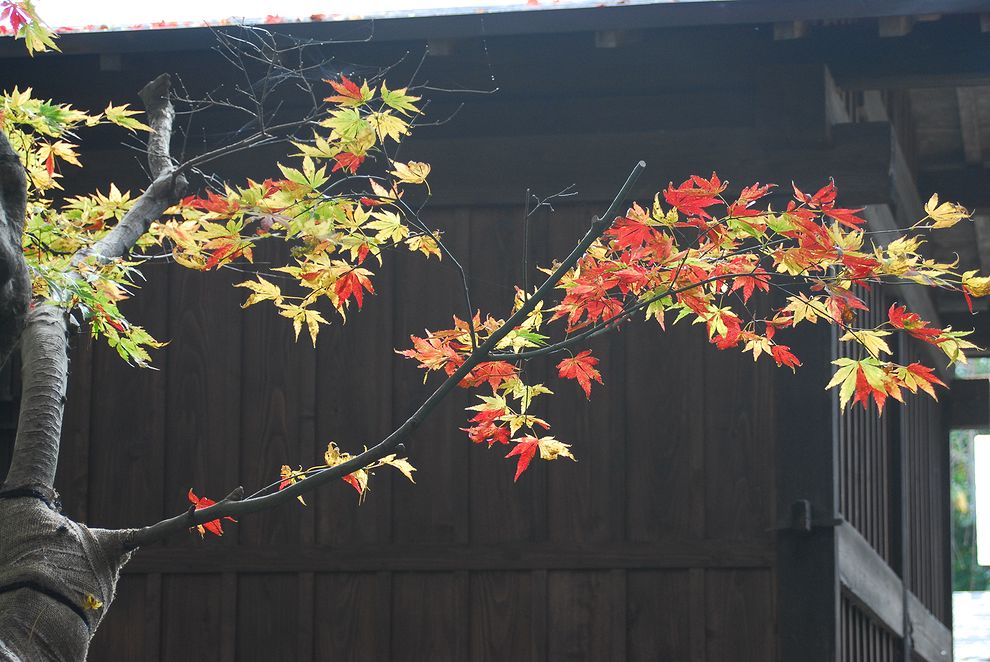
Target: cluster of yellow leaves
(332, 236)
(332, 457)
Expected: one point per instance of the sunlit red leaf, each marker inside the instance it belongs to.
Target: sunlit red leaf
(582, 368)
(213, 526)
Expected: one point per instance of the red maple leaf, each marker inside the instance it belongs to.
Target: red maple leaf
(525, 448)
(15, 14)
(581, 368)
(223, 250)
(347, 90)
(864, 390)
(347, 161)
(783, 356)
(900, 318)
(629, 233)
(350, 284)
(493, 372)
(213, 526)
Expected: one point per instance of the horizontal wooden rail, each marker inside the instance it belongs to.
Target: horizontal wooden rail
(536, 556)
(875, 587)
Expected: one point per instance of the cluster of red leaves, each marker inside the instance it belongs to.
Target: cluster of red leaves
(213, 526)
(693, 262)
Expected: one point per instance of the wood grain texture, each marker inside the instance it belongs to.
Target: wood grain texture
(128, 419)
(277, 415)
(739, 604)
(347, 618)
(658, 623)
(267, 618)
(436, 508)
(192, 613)
(122, 634)
(429, 616)
(501, 616)
(579, 606)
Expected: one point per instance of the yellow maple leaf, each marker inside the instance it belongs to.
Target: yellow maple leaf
(944, 215)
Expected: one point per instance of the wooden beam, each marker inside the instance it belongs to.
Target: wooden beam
(868, 580)
(932, 641)
(967, 404)
(528, 556)
(969, 187)
(874, 587)
(495, 171)
(969, 124)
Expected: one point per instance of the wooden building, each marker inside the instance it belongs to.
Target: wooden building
(720, 510)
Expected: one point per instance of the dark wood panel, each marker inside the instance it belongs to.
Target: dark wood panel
(127, 458)
(267, 618)
(121, 636)
(664, 395)
(435, 509)
(277, 414)
(501, 616)
(192, 611)
(738, 423)
(354, 396)
(202, 430)
(659, 627)
(579, 608)
(348, 617)
(294, 558)
(429, 616)
(739, 605)
(501, 510)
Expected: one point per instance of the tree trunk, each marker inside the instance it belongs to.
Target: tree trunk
(57, 579)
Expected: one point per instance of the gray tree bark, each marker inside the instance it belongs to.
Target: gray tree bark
(57, 576)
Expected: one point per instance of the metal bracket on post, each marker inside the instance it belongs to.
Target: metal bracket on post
(802, 519)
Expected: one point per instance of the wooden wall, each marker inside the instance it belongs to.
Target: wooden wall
(654, 545)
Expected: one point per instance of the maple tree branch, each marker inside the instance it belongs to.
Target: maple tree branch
(44, 346)
(233, 505)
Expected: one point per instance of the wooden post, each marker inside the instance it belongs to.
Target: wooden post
(807, 473)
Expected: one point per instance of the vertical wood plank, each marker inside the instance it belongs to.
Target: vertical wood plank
(434, 633)
(580, 605)
(277, 403)
(153, 617)
(579, 494)
(128, 459)
(540, 614)
(665, 440)
(501, 616)
(698, 614)
(738, 459)
(192, 617)
(351, 618)
(354, 390)
(267, 608)
(436, 508)
(123, 633)
(307, 615)
(202, 430)
(658, 624)
(739, 606)
(495, 266)
(228, 617)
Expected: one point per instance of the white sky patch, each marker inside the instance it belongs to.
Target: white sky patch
(981, 476)
(121, 14)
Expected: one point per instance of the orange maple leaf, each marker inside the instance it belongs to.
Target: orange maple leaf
(581, 368)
